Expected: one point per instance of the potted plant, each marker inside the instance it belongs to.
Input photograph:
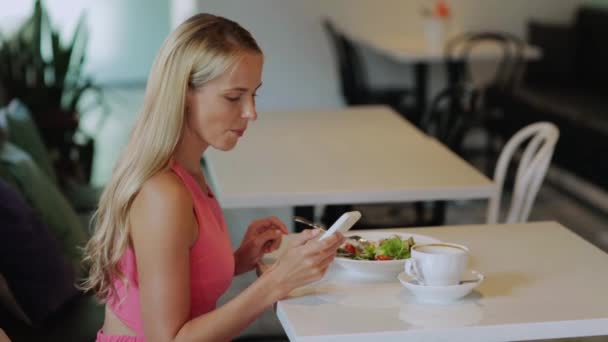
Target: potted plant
(47, 76)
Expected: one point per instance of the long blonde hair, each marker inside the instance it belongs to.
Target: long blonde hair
(199, 50)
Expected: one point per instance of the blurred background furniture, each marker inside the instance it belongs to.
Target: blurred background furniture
(539, 140)
(45, 167)
(568, 87)
(397, 163)
(496, 90)
(414, 50)
(459, 52)
(450, 116)
(356, 90)
(353, 75)
(41, 233)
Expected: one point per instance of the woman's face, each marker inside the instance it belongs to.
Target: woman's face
(219, 111)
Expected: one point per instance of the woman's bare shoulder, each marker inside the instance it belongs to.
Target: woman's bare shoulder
(163, 206)
(165, 187)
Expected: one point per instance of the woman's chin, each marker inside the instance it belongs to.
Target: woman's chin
(226, 146)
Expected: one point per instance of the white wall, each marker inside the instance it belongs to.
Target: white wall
(126, 34)
(181, 10)
(300, 72)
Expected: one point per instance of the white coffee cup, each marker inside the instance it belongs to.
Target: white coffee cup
(437, 264)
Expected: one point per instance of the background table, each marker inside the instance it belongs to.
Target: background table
(415, 50)
(366, 154)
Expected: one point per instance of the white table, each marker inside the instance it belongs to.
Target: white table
(542, 281)
(350, 155)
(415, 50)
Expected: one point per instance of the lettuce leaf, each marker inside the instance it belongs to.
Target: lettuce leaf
(368, 252)
(395, 248)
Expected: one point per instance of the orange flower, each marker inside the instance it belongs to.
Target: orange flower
(442, 10)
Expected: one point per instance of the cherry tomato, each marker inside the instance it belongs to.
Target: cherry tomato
(383, 257)
(350, 249)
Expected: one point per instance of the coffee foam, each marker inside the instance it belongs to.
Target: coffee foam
(439, 248)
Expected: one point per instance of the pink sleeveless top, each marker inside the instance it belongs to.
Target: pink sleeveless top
(211, 261)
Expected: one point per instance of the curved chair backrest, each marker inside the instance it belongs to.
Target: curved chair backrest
(352, 72)
(458, 57)
(533, 165)
(451, 114)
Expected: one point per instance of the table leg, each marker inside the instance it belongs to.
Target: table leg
(439, 211)
(421, 76)
(420, 209)
(437, 215)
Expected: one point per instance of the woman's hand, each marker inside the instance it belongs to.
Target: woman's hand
(263, 236)
(305, 261)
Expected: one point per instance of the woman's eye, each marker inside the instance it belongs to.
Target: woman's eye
(232, 99)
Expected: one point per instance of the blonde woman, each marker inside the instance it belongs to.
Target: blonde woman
(160, 256)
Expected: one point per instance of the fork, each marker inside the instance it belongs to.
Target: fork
(309, 223)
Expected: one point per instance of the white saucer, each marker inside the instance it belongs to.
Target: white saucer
(440, 294)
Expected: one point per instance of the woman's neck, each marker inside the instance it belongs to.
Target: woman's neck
(189, 152)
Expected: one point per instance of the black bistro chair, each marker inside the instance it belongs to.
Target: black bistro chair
(495, 96)
(353, 75)
(452, 113)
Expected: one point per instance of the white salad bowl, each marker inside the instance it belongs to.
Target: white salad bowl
(379, 268)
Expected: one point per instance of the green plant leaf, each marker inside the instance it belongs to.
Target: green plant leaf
(78, 48)
(40, 68)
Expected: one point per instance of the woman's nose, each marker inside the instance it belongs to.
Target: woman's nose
(249, 112)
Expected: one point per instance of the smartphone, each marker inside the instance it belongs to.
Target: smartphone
(342, 224)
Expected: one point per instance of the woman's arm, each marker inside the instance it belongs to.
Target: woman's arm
(163, 229)
(306, 261)
(227, 321)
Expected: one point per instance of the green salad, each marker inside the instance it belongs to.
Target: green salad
(392, 248)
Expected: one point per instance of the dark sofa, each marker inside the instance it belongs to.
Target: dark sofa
(40, 236)
(569, 87)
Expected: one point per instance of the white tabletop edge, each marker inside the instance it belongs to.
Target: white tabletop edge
(283, 319)
(490, 333)
(296, 199)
